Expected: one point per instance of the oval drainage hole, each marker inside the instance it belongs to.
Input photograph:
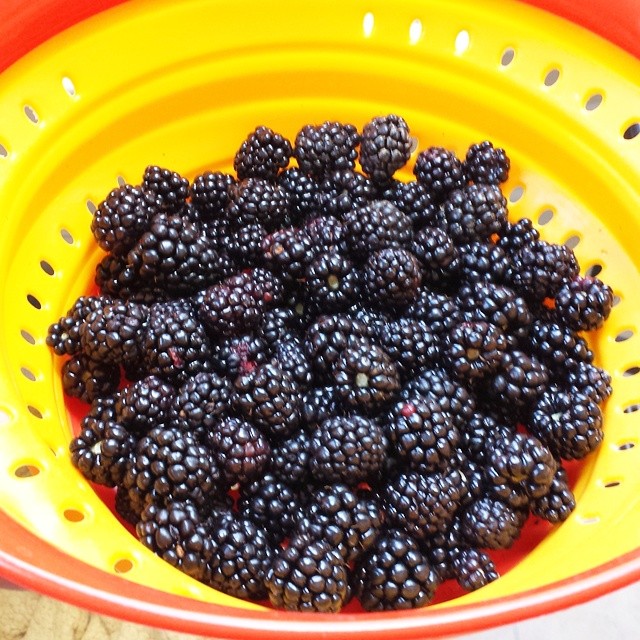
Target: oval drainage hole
(625, 446)
(34, 412)
(27, 336)
(29, 111)
(632, 408)
(545, 217)
(616, 300)
(73, 515)
(415, 31)
(613, 483)
(507, 56)
(552, 77)
(572, 241)
(593, 102)
(462, 42)
(33, 301)
(415, 143)
(66, 236)
(91, 207)
(46, 267)
(516, 194)
(3, 151)
(28, 374)
(593, 270)
(631, 131)
(631, 371)
(624, 335)
(26, 471)
(123, 566)
(68, 86)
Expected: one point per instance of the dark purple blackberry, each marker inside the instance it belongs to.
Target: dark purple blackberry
(176, 534)
(486, 164)
(375, 226)
(170, 186)
(343, 190)
(440, 171)
(365, 376)
(332, 282)
(374, 319)
(236, 355)
(144, 404)
(422, 435)
(115, 278)
(438, 310)
(414, 200)
(245, 244)
(126, 506)
(89, 379)
(290, 457)
(473, 569)
(262, 155)
(265, 287)
(558, 503)
(257, 201)
(320, 404)
(489, 523)
(480, 434)
(326, 233)
(392, 277)
(434, 248)
(584, 303)
(240, 450)
(302, 191)
(210, 193)
(442, 547)
(270, 399)
(288, 252)
(539, 270)
(517, 235)
(175, 345)
(321, 149)
(568, 422)
(228, 309)
(291, 357)
(308, 575)
(394, 574)
(589, 380)
(483, 262)
(475, 213)
(385, 147)
(122, 217)
(348, 449)
(242, 555)
(474, 350)
(277, 324)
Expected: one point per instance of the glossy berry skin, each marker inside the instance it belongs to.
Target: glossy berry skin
(332, 282)
(385, 147)
(209, 193)
(584, 303)
(473, 569)
(262, 155)
(491, 524)
(486, 164)
(392, 277)
(169, 185)
(320, 149)
(440, 171)
(558, 503)
(144, 404)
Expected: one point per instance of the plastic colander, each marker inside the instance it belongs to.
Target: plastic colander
(180, 85)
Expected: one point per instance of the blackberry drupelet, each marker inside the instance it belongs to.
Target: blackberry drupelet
(115, 278)
(320, 404)
(89, 379)
(414, 200)
(385, 147)
(262, 155)
(332, 282)
(473, 569)
(209, 193)
(440, 171)
(584, 303)
(489, 523)
(517, 235)
(486, 164)
(392, 277)
(257, 201)
(170, 186)
(589, 380)
(558, 503)
(235, 355)
(302, 191)
(288, 252)
(482, 262)
(341, 191)
(144, 404)
(290, 457)
(291, 357)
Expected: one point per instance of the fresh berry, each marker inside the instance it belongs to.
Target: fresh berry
(433, 248)
(89, 379)
(288, 252)
(583, 304)
(482, 262)
(210, 193)
(473, 569)
(320, 149)
(291, 357)
(410, 344)
(302, 192)
(385, 147)
(144, 404)
(392, 277)
(517, 235)
(239, 354)
(489, 523)
(262, 155)
(343, 190)
(591, 381)
(257, 201)
(558, 503)
(440, 171)
(486, 164)
(332, 282)
(320, 404)
(290, 457)
(169, 185)
(414, 200)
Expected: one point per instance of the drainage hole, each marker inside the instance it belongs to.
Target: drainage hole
(624, 335)
(552, 77)
(545, 217)
(632, 408)
(36, 413)
(593, 102)
(611, 484)
(593, 270)
(3, 151)
(68, 86)
(26, 471)
(73, 515)
(33, 301)
(27, 336)
(631, 131)
(66, 236)
(462, 42)
(46, 267)
(625, 446)
(29, 111)
(631, 371)
(507, 56)
(123, 565)
(572, 241)
(516, 194)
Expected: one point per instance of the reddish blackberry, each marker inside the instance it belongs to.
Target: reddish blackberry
(290, 458)
(434, 248)
(422, 435)
(318, 405)
(269, 398)
(288, 252)
(589, 380)
(257, 201)
(144, 404)
(332, 282)
(489, 523)
(176, 534)
(394, 574)
(170, 186)
(302, 191)
(308, 575)
(392, 277)
(515, 236)
(482, 262)
(89, 379)
(245, 244)
(240, 450)
(440, 171)
(568, 422)
(348, 449)
(210, 193)
(584, 303)
(385, 147)
(375, 226)
(341, 191)
(365, 376)
(290, 355)
(480, 434)
(473, 569)
(122, 217)
(558, 503)
(262, 155)
(486, 164)
(235, 355)
(438, 310)
(414, 200)
(326, 233)
(320, 149)
(410, 344)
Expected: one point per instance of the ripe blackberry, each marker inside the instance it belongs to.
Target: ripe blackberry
(584, 303)
(176, 534)
(489, 523)
(240, 450)
(440, 171)
(115, 278)
(434, 248)
(122, 217)
(89, 379)
(290, 457)
(277, 323)
(239, 354)
(423, 505)
(302, 191)
(341, 191)
(480, 434)
(128, 508)
(365, 376)
(589, 380)
(242, 556)
(288, 252)
(539, 270)
(392, 276)
(442, 547)
(474, 213)
(326, 233)
(374, 319)
(568, 422)
(438, 310)
(245, 244)
(270, 399)
(474, 350)
(348, 449)
(375, 226)
(320, 149)
(410, 344)
(473, 569)
(394, 574)
(486, 164)
(482, 262)
(332, 282)
(262, 155)
(422, 435)
(517, 235)
(414, 200)
(209, 193)
(229, 308)
(385, 147)
(170, 186)
(319, 404)
(290, 355)
(144, 404)
(308, 575)
(257, 201)
(558, 503)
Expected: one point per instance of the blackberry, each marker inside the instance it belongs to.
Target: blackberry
(348, 449)
(422, 435)
(257, 201)
(308, 575)
(277, 324)
(122, 217)
(365, 376)
(442, 547)
(288, 252)
(343, 190)
(392, 277)
(438, 310)
(480, 435)
(539, 270)
(483, 262)
(170, 186)
(473, 569)
(262, 155)
(235, 355)
(374, 319)
(144, 404)
(245, 244)
(489, 523)
(127, 507)
(229, 308)
(568, 422)
(209, 193)
(474, 213)
(290, 355)
(242, 556)
(115, 278)
(290, 457)
(326, 233)
(394, 574)
(558, 503)
(440, 171)
(319, 404)
(375, 226)
(320, 149)
(270, 399)
(332, 282)
(590, 380)
(434, 248)
(175, 533)
(414, 200)
(474, 350)
(584, 303)
(385, 147)
(410, 344)
(302, 191)
(88, 379)
(486, 164)
(515, 236)
(240, 450)
(265, 286)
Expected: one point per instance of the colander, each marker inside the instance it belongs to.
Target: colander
(180, 85)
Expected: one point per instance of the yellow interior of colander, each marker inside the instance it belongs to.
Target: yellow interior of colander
(181, 84)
